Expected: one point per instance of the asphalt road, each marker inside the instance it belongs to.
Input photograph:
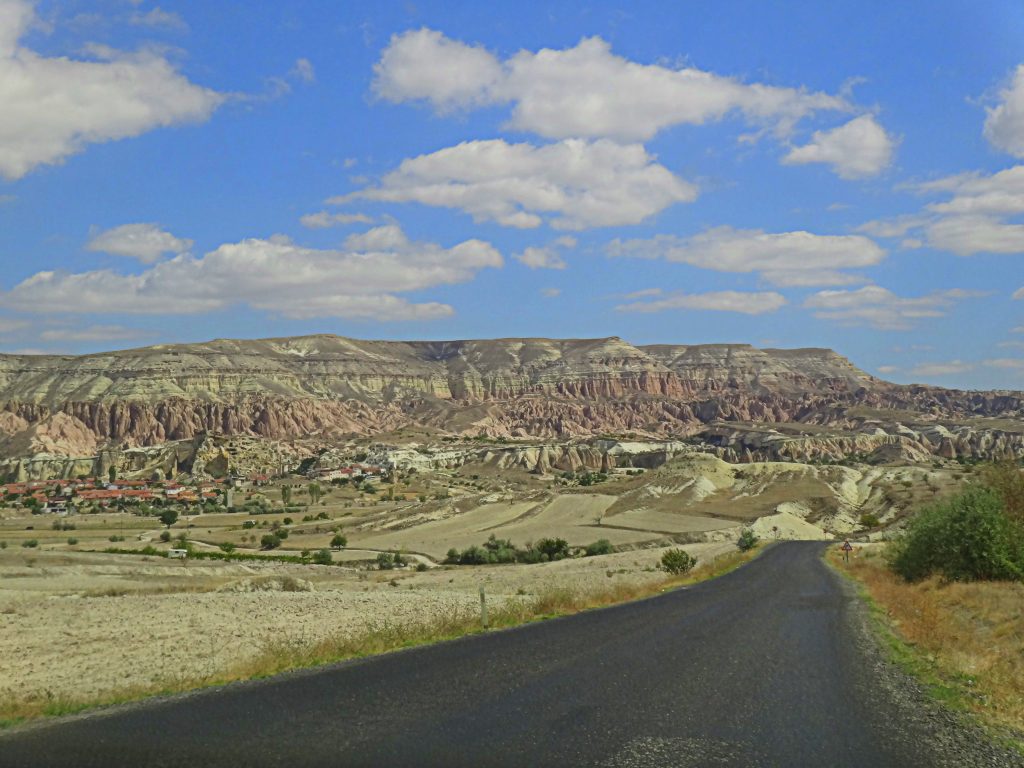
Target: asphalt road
(761, 667)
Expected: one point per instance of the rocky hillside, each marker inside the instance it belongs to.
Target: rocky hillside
(331, 387)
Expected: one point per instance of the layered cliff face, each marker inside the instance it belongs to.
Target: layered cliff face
(329, 387)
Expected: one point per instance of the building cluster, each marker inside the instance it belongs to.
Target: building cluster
(348, 472)
(65, 496)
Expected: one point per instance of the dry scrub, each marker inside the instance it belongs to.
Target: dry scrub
(966, 639)
(280, 656)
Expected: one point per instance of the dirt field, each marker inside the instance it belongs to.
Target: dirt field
(85, 625)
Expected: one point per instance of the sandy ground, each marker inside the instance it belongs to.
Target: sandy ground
(83, 625)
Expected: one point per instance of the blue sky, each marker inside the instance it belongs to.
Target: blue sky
(848, 175)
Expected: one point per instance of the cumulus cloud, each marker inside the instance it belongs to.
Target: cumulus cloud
(856, 150)
(546, 256)
(784, 259)
(572, 184)
(325, 219)
(969, 235)
(977, 217)
(145, 242)
(359, 280)
(54, 107)
(882, 309)
(583, 91)
(1004, 126)
(720, 301)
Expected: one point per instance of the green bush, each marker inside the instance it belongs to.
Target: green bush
(72, 541)
(339, 541)
(323, 557)
(747, 540)
(226, 546)
(270, 541)
(165, 535)
(599, 547)
(30, 543)
(385, 561)
(869, 520)
(968, 537)
(677, 561)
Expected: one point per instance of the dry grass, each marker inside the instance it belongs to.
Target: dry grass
(970, 636)
(277, 656)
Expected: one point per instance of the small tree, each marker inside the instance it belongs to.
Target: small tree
(677, 561)
(169, 517)
(286, 495)
(315, 492)
(270, 541)
(747, 540)
(385, 561)
(112, 474)
(339, 541)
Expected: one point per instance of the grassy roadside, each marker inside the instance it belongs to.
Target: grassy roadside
(964, 642)
(277, 657)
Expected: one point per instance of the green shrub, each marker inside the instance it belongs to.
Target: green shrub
(968, 537)
(323, 557)
(165, 535)
(599, 547)
(869, 520)
(30, 543)
(385, 561)
(270, 541)
(72, 541)
(677, 561)
(747, 540)
(339, 541)
(226, 546)
(421, 567)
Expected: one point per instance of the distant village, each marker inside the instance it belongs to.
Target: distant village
(76, 495)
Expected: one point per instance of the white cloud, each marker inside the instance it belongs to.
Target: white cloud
(542, 257)
(323, 219)
(1011, 344)
(886, 369)
(1004, 126)
(550, 293)
(94, 333)
(54, 107)
(358, 281)
(969, 235)
(1019, 294)
(942, 369)
(5, 199)
(158, 17)
(880, 308)
(1006, 363)
(145, 242)
(785, 258)
(1019, 328)
(584, 91)
(977, 218)
(547, 256)
(721, 301)
(8, 325)
(572, 184)
(303, 70)
(856, 150)
(424, 64)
